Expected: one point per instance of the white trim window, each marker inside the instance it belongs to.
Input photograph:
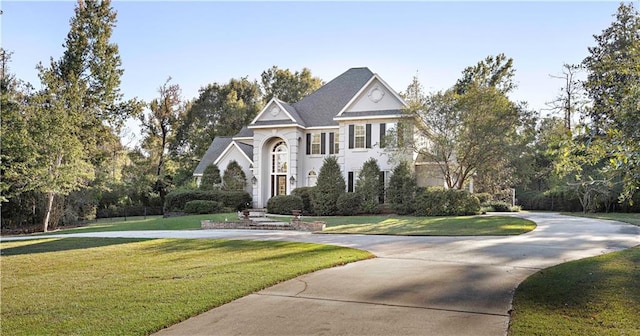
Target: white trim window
(315, 144)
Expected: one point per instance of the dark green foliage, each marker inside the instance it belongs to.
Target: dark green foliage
(234, 178)
(498, 206)
(370, 187)
(284, 204)
(126, 211)
(350, 204)
(202, 207)
(560, 200)
(237, 200)
(436, 201)
(401, 190)
(483, 197)
(329, 188)
(288, 86)
(219, 110)
(306, 193)
(211, 178)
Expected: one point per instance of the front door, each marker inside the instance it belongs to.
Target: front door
(278, 185)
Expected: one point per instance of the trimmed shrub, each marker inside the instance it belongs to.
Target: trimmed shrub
(202, 207)
(401, 190)
(211, 178)
(498, 206)
(237, 200)
(370, 187)
(483, 197)
(436, 201)
(329, 188)
(234, 178)
(284, 204)
(306, 193)
(350, 204)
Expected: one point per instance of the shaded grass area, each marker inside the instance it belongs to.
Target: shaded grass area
(154, 223)
(429, 226)
(593, 296)
(108, 286)
(631, 218)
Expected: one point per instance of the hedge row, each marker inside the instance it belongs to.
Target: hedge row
(236, 200)
(284, 204)
(128, 211)
(202, 207)
(436, 201)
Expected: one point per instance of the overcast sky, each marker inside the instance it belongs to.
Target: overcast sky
(202, 42)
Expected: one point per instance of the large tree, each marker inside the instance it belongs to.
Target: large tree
(79, 101)
(288, 86)
(219, 110)
(613, 85)
(158, 126)
(471, 128)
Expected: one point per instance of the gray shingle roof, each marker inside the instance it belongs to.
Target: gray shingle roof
(292, 111)
(245, 132)
(247, 149)
(215, 149)
(320, 107)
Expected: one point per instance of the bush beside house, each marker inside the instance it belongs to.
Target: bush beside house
(236, 200)
(284, 204)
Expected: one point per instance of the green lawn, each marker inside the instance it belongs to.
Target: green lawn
(593, 296)
(380, 224)
(108, 286)
(631, 218)
(428, 226)
(151, 223)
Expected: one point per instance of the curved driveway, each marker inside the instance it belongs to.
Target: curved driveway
(416, 286)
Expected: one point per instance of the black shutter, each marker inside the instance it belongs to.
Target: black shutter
(383, 132)
(350, 181)
(323, 143)
(331, 143)
(351, 135)
(308, 144)
(368, 136)
(381, 182)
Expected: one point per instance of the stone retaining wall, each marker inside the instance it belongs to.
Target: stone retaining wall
(250, 225)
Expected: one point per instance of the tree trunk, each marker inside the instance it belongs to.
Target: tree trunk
(45, 224)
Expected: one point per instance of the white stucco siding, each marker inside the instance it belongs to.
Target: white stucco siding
(354, 158)
(264, 140)
(235, 154)
(375, 97)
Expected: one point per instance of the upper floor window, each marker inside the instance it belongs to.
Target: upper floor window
(360, 136)
(315, 143)
(386, 131)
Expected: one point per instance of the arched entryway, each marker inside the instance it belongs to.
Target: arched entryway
(278, 168)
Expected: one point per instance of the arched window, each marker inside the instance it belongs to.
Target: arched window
(279, 169)
(279, 158)
(312, 179)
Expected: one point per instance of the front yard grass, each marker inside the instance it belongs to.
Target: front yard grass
(592, 296)
(152, 223)
(108, 286)
(631, 218)
(428, 226)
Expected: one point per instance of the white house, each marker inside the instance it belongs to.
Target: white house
(284, 146)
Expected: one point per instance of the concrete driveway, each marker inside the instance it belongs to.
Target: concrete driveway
(416, 286)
